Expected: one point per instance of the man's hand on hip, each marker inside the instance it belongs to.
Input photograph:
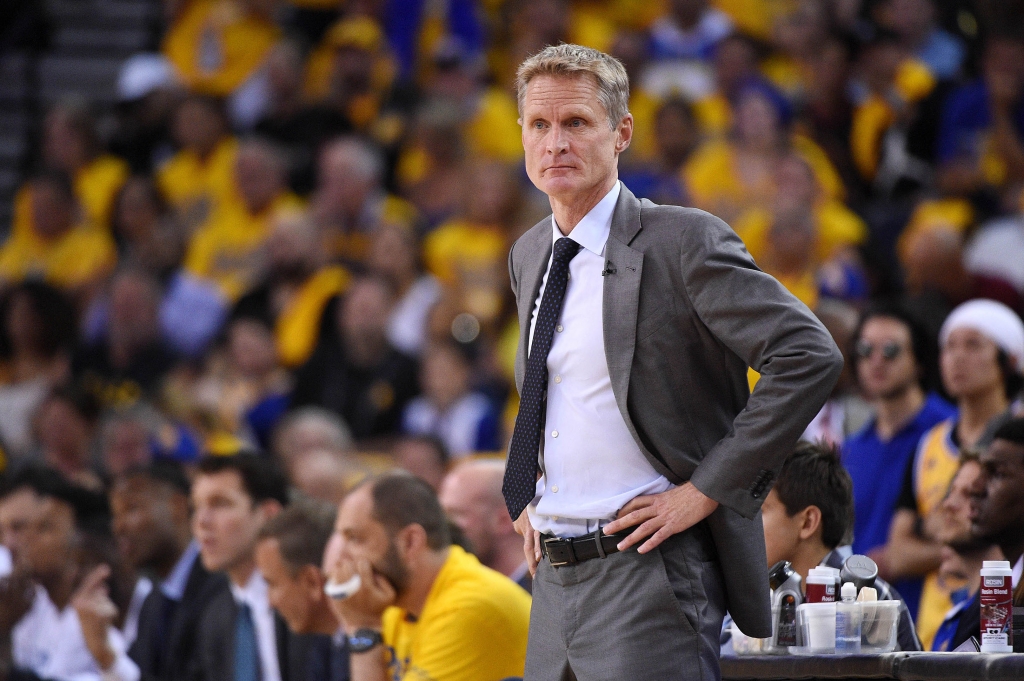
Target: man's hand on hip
(661, 515)
(531, 541)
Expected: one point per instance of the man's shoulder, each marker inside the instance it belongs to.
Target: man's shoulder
(474, 589)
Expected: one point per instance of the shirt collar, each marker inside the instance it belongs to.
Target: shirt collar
(174, 586)
(592, 231)
(253, 593)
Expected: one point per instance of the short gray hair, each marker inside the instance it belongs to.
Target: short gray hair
(573, 60)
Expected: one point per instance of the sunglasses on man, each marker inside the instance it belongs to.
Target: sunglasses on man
(890, 350)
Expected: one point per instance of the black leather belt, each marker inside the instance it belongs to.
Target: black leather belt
(561, 552)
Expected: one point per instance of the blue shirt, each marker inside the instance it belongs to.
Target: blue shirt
(878, 469)
(966, 118)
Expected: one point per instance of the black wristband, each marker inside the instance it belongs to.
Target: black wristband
(363, 640)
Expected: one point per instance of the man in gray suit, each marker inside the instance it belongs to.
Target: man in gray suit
(640, 460)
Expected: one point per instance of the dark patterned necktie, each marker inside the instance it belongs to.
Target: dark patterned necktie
(520, 484)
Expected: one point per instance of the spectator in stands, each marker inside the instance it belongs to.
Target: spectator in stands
(289, 552)
(892, 356)
(64, 425)
(963, 555)
(327, 475)
(55, 246)
(71, 145)
(300, 128)
(395, 256)
(239, 637)
(916, 23)
(299, 286)
(982, 348)
(980, 147)
(449, 408)
(689, 30)
(199, 176)
(244, 390)
(807, 519)
(37, 332)
(429, 171)
(147, 96)
(425, 456)
(845, 412)
(307, 429)
(997, 511)
(218, 49)
(130, 358)
(471, 496)
(150, 505)
(350, 201)
(53, 530)
(228, 248)
(354, 371)
(145, 236)
(990, 256)
(433, 608)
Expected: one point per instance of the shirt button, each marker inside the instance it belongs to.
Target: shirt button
(555, 489)
(558, 379)
(554, 433)
(559, 328)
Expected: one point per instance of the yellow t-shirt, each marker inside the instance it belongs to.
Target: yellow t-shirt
(96, 186)
(215, 45)
(226, 249)
(297, 328)
(836, 227)
(473, 627)
(82, 255)
(461, 247)
(937, 461)
(186, 178)
(494, 131)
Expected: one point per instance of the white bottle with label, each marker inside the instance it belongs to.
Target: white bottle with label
(996, 598)
(849, 616)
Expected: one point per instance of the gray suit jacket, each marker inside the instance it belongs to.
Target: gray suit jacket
(685, 312)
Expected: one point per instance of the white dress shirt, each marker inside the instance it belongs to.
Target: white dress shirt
(591, 466)
(254, 594)
(49, 643)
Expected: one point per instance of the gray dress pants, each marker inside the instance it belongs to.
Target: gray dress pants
(630, 616)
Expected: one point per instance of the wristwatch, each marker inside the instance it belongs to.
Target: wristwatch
(364, 639)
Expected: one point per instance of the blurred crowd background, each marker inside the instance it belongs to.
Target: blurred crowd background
(282, 226)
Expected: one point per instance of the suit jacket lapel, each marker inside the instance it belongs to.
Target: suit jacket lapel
(536, 251)
(624, 267)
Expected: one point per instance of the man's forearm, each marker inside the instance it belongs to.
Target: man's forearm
(369, 666)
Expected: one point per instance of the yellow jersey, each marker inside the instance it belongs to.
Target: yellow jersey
(473, 627)
(227, 248)
(80, 256)
(186, 178)
(215, 45)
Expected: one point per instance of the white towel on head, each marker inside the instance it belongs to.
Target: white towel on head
(996, 321)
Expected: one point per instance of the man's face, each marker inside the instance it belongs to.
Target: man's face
(143, 521)
(781, 531)
(570, 149)
(890, 367)
(289, 592)
(358, 535)
(225, 521)
(997, 504)
(969, 363)
(39, 531)
(465, 501)
(956, 507)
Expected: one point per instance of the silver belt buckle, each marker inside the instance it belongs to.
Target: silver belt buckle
(554, 563)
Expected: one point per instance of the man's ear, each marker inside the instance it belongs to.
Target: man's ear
(312, 581)
(811, 522)
(624, 134)
(411, 541)
(181, 508)
(269, 508)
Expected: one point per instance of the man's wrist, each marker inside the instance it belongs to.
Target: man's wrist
(365, 639)
(354, 624)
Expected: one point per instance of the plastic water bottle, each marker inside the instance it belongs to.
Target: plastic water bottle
(848, 621)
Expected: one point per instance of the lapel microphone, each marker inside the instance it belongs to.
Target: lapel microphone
(609, 269)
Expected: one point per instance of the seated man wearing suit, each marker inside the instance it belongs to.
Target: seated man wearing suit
(288, 555)
(240, 639)
(150, 508)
